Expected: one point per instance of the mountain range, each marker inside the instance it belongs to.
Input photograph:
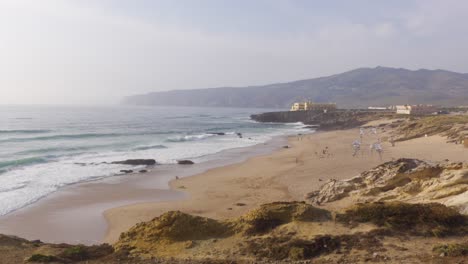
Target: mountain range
(357, 88)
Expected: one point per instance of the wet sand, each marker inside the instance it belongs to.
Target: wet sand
(74, 214)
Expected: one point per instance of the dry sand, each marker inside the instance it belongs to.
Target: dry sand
(285, 175)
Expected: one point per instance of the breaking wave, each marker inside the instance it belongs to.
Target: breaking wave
(150, 147)
(190, 137)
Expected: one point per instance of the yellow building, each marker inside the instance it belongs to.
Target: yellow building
(299, 106)
(309, 106)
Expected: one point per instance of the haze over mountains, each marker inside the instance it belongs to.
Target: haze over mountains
(357, 88)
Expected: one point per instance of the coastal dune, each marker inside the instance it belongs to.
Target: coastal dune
(286, 175)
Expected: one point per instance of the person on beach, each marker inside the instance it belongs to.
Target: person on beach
(299, 137)
(356, 147)
(377, 146)
(361, 132)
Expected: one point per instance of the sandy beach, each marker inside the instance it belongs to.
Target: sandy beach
(242, 179)
(75, 214)
(285, 175)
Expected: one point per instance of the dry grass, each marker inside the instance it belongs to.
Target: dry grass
(431, 219)
(455, 127)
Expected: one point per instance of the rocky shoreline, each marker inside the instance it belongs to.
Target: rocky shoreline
(332, 120)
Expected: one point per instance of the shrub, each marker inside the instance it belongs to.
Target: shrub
(426, 219)
(42, 258)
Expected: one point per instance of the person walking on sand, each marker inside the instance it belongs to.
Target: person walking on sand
(361, 132)
(356, 147)
(378, 148)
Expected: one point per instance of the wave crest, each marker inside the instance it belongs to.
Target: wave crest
(22, 162)
(150, 147)
(190, 137)
(32, 131)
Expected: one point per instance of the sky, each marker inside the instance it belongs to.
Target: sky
(98, 51)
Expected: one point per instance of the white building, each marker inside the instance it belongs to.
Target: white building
(415, 109)
(403, 109)
(377, 108)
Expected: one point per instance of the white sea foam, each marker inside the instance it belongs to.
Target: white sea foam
(79, 159)
(189, 137)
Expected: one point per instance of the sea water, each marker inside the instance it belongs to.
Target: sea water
(45, 148)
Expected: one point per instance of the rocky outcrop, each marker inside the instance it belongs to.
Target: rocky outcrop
(217, 133)
(408, 180)
(136, 162)
(339, 119)
(185, 162)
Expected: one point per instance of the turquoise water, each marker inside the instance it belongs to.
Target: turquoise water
(44, 148)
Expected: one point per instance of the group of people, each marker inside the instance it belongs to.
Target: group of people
(376, 146)
(324, 153)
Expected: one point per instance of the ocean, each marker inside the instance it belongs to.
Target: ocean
(45, 148)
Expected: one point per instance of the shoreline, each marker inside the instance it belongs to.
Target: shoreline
(284, 175)
(78, 209)
(227, 187)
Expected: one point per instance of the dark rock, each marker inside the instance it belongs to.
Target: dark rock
(37, 243)
(185, 162)
(286, 146)
(240, 204)
(239, 134)
(126, 171)
(136, 162)
(143, 171)
(217, 133)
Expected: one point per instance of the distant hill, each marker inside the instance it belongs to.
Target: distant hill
(357, 88)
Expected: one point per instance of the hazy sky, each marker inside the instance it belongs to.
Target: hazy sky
(97, 51)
